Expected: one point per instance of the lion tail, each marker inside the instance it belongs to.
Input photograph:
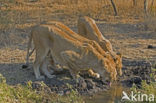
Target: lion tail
(28, 49)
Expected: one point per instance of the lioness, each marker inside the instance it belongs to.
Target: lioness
(88, 28)
(68, 51)
(79, 38)
(82, 39)
(48, 60)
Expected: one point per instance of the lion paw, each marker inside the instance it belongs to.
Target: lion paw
(97, 75)
(51, 76)
(41, 78)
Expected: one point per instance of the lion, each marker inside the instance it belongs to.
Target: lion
(90, 32)
(88, 28)
(48, 60)
(77, 37)
(117, 59)
(74, 54)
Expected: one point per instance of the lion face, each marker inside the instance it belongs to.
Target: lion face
(106, 76)
(108, 71)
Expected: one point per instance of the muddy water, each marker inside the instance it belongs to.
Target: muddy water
(113, 95)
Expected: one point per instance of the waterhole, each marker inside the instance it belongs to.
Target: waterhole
(113, 95)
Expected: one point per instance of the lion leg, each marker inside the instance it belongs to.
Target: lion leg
(92, 73)
(50, 71)
(36, 70)
(50, 60)
(40, 56)
(70, 58)
(44, 68)
(74, 72)
(28, 53)
(53, 64)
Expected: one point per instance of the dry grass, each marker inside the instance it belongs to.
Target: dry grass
(150, 23)
(21, 14)
(18, 15)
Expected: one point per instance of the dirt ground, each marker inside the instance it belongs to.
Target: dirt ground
(131, 39)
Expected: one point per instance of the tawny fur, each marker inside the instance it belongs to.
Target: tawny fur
(75, 36)
(88, 28)
(85, 40)
(68, 51)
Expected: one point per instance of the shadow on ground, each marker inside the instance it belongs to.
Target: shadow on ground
(134, 71)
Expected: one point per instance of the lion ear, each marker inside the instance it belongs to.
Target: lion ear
(119, 54)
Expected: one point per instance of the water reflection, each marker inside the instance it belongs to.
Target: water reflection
(113, 95)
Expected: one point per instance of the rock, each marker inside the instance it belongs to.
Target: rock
(67, 91)
(133, 80)
(150, 47)
(82, 84)
(63, 85)
(40, 86)
(60, 93)
(90, 84)
(24, 66)
(137, 80)
(135, 71)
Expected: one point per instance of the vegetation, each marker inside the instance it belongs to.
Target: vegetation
(146, 88)
(25, 94)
